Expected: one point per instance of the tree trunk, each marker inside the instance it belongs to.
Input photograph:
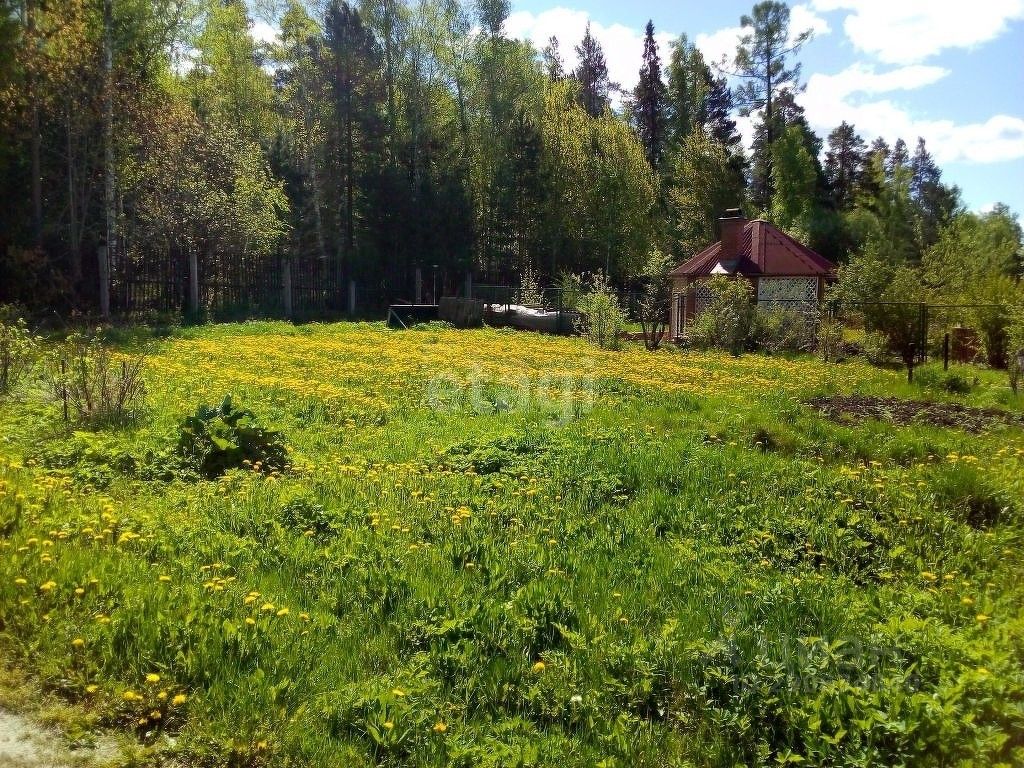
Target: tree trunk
(74, 238)
(109, 196)
(36, 141)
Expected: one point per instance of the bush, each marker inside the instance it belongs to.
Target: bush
(831, 342)
(95, 385)
(227, 437)
(1015, 346)
(780, 329)
(727, 319)
(947, 381)
(19, 351)
(603, 317)
(875, 347)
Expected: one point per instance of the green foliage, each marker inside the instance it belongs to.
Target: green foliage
(656, 293)
(603, 318)
(782, 329)
(530, 293)
(702, 186)
(217, 439)
(831, 340)
(94, 384)
(728, 317)
(952, 382)
(19, 351)
(453, 588)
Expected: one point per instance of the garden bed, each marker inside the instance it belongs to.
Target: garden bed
(856, 408)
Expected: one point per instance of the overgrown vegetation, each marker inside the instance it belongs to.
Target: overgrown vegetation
(640, 559)
(93, 384)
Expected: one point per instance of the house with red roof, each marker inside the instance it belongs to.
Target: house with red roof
(783, 271)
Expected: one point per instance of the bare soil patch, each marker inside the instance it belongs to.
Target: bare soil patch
(847, 409)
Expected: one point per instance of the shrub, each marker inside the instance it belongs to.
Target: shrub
(1015, 336)
(217, 439)
(728, 318)
(947, 381)
(875, 348)
(780, 329)
(95, 385)
(530, 293)
(603, 316)
(831, 343)
(19, 351)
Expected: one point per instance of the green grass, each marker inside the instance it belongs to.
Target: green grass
(507, 549)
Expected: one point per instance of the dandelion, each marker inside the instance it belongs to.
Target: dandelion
(283, 612)
(164, 578)
(77, 642)
(981, 618)
(178, 700)
(90, 689)
(538, 667)
(388, 725)
(440, 727)
(152, 678)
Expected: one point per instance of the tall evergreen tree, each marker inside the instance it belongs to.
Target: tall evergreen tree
(897, 159)
(649, 102)
(554, 67)
(845, 164)
(763, 64)
(592, 75)
(936, 203)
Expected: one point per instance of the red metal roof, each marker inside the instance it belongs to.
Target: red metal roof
(762, 249)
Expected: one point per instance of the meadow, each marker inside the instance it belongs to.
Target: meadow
(496, 548)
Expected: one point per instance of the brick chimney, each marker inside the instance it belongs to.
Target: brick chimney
(731, 226)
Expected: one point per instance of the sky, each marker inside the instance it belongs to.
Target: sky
(950, 72)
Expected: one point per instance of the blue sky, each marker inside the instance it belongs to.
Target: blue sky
(952, 72)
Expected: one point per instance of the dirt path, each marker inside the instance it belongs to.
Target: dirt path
(25, 743)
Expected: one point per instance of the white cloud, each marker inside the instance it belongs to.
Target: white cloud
(908, 31)
(830, 99)
(623, 46)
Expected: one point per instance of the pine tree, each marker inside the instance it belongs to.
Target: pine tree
(898, 159)
(845, 164)
(554, 67)
(762, 63)
(592, 75)
(936, 203)
(649, 102)
(686, 91)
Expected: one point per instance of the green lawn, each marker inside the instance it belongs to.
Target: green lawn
(502, 548)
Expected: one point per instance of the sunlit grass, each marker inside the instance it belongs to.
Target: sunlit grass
(500, 548)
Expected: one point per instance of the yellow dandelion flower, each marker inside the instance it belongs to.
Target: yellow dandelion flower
(152, 678)
(440, 727)
(538, 667)
(178, 700)
(77, 642)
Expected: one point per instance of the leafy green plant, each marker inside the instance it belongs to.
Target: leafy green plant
(19, 351)
(728, 318)
(831, 342)
(781, 329)
(94, 385)
(603, 318)
(216, 439)
(953, 382)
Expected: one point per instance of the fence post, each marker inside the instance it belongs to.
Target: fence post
(352, 297)
(469, 285)
(286, 287)
(945, 352)
(419, 286)
(193, 283)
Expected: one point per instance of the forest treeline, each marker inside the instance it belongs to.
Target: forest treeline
(380, 136)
